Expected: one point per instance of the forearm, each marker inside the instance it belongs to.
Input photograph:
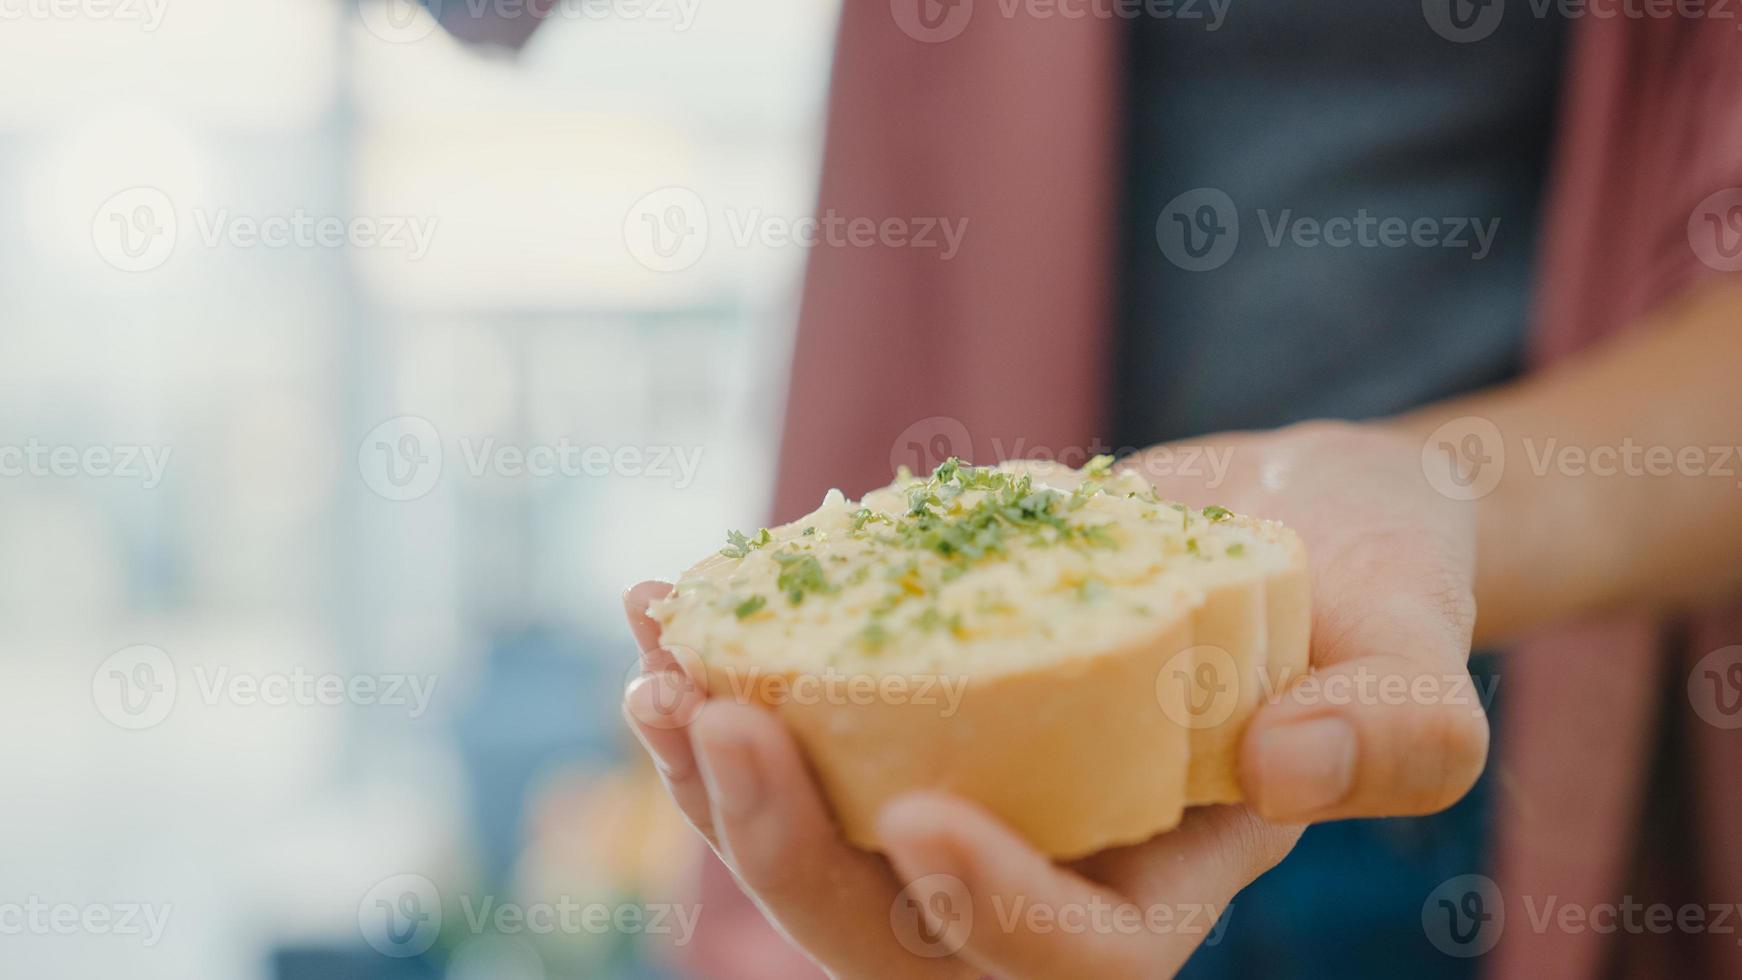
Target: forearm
(1620, 479)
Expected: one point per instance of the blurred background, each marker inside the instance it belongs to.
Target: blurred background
(347, 372)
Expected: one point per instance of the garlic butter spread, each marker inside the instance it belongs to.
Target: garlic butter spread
(973, 569)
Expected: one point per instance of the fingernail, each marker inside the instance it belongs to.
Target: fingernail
(729, 771)
(1305, 767)
(663, 699)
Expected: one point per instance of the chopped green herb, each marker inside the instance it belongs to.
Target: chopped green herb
(1082, 494)
(749, 606)
(1236, 549)
(887, 604)
(866, 515)
(939, 520)
(1217, 514)
(800, 572)
(931, 619)
(873, 636)
(737, 545)
(896, 573)
(1099, 536)
(1100, 466)
(919, 499)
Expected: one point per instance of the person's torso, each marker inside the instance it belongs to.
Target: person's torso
(1331, 211)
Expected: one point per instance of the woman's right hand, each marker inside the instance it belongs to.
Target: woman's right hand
(957, 894)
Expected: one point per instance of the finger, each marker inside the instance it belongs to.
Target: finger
(655, 654)
(635, 601)
(1004, 906)
(1213, 853)
(1392, 725)
(1410, 747)
(658, 707)
(832, 900)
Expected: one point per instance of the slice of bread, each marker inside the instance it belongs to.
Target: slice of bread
(1060, 646)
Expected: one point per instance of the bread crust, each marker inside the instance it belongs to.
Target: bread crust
(1076, 755)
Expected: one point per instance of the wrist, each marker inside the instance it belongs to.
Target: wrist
(1539, 555)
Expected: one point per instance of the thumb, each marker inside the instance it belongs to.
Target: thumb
(1392, 725)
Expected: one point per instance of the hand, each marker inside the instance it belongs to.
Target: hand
(740, 780)
(1388, 723)
(1391, 572)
